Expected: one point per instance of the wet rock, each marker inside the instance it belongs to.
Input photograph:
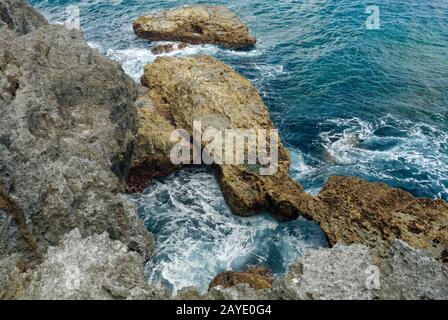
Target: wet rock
(93, 268)
(257, 278)
(67, 133)
(376, 215)
(203, 89)
(412, 274)
(167, 48)
(196, 25)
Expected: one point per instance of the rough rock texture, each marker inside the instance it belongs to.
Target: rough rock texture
(325, 274)
(345, 272)
(329, 274)
(152, 152)
(11, 277)
(242, 291)
(92, 268)
(201, 88)
(412, 274)
(375, 215)
(257, 278)
(66, 140)
(19, 17)
(197, 25)
(167, 48)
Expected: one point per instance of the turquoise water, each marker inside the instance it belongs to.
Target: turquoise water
(347, 101)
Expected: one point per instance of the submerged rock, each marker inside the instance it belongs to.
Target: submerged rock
(376, 215)
(203, 89)
(257, 278)
(66, 139)
(197, 25)
(94, 268)
(167, 48)
(412, 274)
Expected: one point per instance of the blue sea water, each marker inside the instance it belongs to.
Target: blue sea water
(347, 101)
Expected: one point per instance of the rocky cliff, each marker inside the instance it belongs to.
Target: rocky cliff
(349, 210)
(67, 134)
(70, 130)
(67, 137)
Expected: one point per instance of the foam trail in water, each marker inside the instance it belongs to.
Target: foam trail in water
(198, 237)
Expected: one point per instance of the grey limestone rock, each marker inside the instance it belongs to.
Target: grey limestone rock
(413, 274)
(95, 267)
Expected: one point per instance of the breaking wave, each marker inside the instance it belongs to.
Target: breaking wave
(198, 237)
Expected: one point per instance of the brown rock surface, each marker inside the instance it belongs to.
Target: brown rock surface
(349, 210)
(152, 152)
(257, 278)
(67, 133)
(375, 214)
(201, 88)
(197, 25)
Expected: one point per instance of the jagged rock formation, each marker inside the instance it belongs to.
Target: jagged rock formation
(19, 18)
(93, 268)
(346, 272)
(201, 88)
(66, 141)
(375, 214)
(329, 274)
(153, 146)
(197, 25)
(257, 278)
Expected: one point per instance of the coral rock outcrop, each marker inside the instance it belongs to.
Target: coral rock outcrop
(196, 25)
(376, 215)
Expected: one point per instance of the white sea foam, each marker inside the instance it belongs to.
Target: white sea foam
(198, 237)
(415, 148)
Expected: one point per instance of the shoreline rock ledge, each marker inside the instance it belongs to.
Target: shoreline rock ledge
(196, 25)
